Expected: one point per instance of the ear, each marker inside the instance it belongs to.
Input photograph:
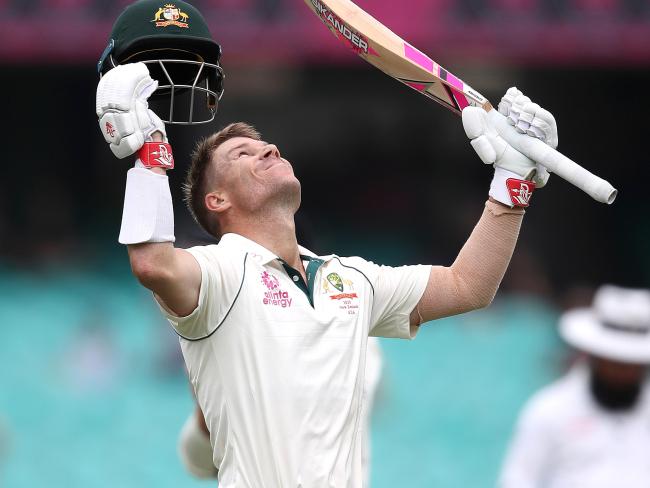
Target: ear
(217, 201)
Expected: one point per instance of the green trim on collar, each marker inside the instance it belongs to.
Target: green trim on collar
(311, 271)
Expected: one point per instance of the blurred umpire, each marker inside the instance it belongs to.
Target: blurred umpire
(591, 428)
(274, 337)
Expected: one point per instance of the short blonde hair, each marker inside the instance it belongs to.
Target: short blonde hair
(196, 182)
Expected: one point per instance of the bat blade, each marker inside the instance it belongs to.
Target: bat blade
(385, 50)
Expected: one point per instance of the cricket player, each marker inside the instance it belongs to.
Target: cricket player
(591, 428)
(274, 336)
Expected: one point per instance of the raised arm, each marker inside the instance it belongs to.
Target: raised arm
(471, 282)
(147, 220)
(172, 274)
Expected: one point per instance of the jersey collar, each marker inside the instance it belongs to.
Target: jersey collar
(258, 252)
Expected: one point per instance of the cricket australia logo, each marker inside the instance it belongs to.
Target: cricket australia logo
(274, 296)
(335, 280)
(520, 191)
(340, 284)
(341, 291)
(170, 15)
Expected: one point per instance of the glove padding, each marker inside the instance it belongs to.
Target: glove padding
(528, 117)
(121, 105)
(493, 149)
(525, 117)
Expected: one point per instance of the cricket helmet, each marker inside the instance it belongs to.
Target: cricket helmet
(174, 41)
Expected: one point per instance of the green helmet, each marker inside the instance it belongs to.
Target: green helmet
(174, 41)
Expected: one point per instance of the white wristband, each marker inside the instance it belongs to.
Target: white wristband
(148, 214)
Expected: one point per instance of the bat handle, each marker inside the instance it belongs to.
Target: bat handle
(594, 186)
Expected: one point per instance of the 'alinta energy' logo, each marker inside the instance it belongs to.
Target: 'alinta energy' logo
(170, 15)
(274, 295)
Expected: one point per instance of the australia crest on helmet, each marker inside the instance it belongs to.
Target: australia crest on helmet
(169, 14)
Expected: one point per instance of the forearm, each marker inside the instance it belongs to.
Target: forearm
(148, 230)
(152, 262)
(472, 280)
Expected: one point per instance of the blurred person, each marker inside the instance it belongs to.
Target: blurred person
(194, 447)
(591, 428)
(92, 362)
(274, 336)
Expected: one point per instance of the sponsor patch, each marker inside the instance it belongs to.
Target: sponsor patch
(274, 296)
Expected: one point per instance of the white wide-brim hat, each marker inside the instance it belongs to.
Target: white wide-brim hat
(617, 327)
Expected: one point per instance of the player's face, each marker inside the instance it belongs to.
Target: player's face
(254, 173)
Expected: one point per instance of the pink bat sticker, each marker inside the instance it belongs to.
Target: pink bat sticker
(451, 79)
(418, 57)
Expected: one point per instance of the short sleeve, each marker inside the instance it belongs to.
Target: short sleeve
(221, 276)
(396, 292)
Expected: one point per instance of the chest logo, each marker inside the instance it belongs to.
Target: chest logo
(341, 291)
(270, 281)
(340, 285)
(335, 280)
(274, 295)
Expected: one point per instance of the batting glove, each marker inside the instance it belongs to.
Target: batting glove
(528, 117)
(124, 116)
(515, 175)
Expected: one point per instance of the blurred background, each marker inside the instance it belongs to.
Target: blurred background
(92, 386)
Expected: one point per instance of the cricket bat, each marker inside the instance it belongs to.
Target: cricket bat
(385, 50)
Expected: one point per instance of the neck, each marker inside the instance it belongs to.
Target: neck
(275, 232)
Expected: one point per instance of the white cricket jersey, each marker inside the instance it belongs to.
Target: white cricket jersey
(565, 440)
(374, 366)
(277, 364)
